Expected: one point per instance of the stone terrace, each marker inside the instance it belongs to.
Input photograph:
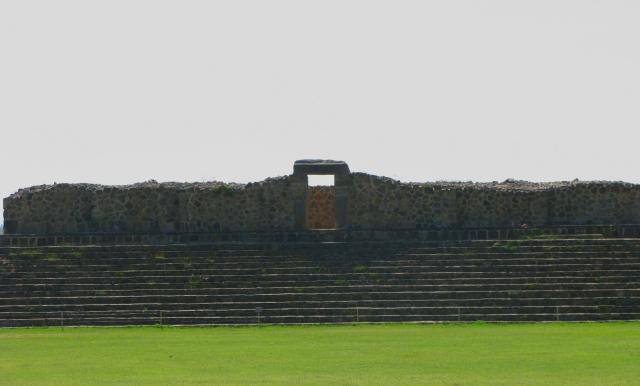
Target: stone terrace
(529, 278)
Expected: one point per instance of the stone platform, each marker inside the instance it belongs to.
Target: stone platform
(317, 235)
(578, 273)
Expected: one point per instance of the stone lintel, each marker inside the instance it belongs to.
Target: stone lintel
(320, 167)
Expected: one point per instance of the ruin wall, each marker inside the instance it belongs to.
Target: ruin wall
(372, 202)
(379, 202)
(151, 207)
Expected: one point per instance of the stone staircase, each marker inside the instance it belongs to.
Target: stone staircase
(584, 277)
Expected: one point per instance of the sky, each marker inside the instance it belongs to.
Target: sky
(116, 92)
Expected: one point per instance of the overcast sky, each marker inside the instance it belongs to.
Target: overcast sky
(117, 92)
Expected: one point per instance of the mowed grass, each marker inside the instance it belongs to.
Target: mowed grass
(392, 354)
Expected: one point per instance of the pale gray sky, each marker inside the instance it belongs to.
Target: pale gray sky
(122, 91)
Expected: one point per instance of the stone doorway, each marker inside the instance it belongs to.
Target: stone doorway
(320, 208)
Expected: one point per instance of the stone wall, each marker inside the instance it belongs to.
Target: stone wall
(371, 203)
(379, 202)
(151, 207)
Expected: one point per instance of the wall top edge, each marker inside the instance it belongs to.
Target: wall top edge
(507, 185)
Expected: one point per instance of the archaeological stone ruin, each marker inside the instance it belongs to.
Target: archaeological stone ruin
(357, 201)
(367, 249)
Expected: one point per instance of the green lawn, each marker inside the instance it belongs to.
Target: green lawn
(445, 354)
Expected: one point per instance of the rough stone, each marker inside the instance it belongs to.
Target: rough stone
(362, 201)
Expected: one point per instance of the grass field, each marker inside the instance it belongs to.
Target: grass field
(446, 354)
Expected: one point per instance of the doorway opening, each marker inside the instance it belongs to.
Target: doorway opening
(323, 206)
(320, 206)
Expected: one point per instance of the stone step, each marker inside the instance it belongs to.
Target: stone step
(204, 285)
(318, 248)
(581, 278)
(296, 259)
(9, 266)
(269, 279)
(207, 288)
(399, 280)
(333, 289)
(549, 238)
(11, 310)
(392, 262)
(593, 239)
(361, 267)
(315, 319)
(369, 274)
(162, 286)
(336, 293)
(222, 250)
(362, 311)
(235, 257)
(520, 246)
(387, 260)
